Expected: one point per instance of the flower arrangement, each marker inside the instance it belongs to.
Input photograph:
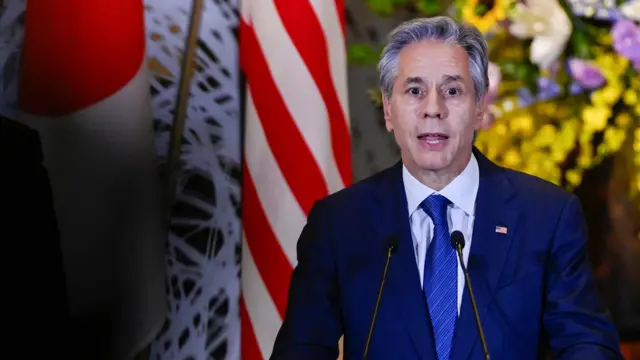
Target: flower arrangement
(564, 81)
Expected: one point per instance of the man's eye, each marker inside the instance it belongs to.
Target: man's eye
(453, 92)
(415, 91)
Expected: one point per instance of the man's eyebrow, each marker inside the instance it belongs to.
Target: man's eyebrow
(451, 78)
(414, 80)
(420, 81)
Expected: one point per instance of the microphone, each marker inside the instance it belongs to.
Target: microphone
(391, 245)
(457, 241)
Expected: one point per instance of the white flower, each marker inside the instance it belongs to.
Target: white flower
(631, 10)
(495, 77)
(547, 23)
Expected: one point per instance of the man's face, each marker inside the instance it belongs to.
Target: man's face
(433, 111)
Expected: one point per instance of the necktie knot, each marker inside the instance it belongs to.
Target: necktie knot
(436, 207)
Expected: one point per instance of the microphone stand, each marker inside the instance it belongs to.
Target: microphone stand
(390, 251)
(473, 302)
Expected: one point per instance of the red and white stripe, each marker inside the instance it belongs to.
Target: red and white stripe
(297, 145)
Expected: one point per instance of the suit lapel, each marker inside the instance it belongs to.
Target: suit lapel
(489, 250)
(403, 279)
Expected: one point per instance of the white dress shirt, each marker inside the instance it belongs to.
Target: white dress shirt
(461, 192)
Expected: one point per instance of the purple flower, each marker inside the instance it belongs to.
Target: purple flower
(626, 39)
(547, 89)
(587, 75)
(575, 88)
(525, 97)
(595, 10)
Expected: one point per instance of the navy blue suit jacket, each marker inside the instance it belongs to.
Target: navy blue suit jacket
(534, 287)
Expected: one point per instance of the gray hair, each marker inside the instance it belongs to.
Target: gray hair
(439, 28)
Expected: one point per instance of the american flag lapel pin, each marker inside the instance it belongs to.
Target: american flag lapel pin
(501, 230)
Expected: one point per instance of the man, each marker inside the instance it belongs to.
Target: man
(525, 238)
(32, 271)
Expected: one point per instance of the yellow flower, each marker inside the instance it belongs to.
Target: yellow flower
(606, 39)
(597, 98)
(585, 161)
(549, 108)
(623, 119)
(527, 148)
(501, 129)
(585, 157)
(486, 21)
(511, 158)
(532, 168)
(522, 125)
(574, 177)
(545, 136)
(612, 65)
(558, 154)
(630, 97)
(568, 133)
(611, 93)
(614, 137)
(595, 117)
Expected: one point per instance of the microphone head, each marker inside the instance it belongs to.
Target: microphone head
(457, 239)
(391, 243)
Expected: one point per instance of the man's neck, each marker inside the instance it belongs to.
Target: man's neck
(439, 179)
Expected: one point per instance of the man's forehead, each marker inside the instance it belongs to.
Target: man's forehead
(430, 48)
(436, 57)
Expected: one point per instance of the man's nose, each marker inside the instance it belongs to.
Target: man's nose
(433, 106)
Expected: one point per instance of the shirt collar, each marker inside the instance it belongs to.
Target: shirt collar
(462, 191)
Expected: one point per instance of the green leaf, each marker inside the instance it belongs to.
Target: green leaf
(381, 7)
(459, 5)
(564, 79)
(430, 7)
(581, 45)
(523, 72)
(531, 75)
(385, 7)
(508, 68)
(362, 54)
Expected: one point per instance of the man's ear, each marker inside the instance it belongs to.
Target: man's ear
(483, 118)
(386, 110)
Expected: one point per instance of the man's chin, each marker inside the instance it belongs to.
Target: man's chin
(431, 166)
(435, 161)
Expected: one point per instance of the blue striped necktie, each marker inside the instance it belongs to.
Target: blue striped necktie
(441, 277)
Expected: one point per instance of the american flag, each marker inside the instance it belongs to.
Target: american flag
(501, 230)
(297, 145)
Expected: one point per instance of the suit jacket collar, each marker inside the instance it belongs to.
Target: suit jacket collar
(488, 253)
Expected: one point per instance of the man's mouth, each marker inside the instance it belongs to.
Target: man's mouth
(433, 138)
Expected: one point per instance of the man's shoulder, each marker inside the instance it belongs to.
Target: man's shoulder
(19, 144)
(536, 191)
(359, 192)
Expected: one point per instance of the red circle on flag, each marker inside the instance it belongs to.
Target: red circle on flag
(78, 52)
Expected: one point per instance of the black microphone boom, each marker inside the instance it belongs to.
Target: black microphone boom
(391, 245)
(457, 241)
